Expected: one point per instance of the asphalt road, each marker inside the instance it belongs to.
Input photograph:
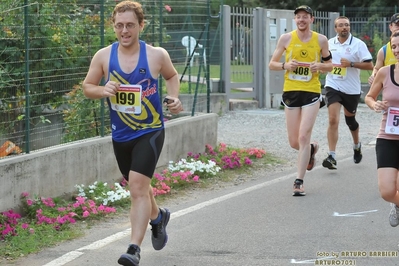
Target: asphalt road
(341, 221)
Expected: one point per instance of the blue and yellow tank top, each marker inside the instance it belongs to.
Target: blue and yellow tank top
(136, 109)
(389, 58)
(302, 79)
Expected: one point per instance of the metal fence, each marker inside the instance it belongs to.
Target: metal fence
(46, 48)
(371, 24)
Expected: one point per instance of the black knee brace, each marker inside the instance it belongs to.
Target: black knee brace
(351, 122)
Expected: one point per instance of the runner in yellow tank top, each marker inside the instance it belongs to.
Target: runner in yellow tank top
(307, 55)
(301, 78)
(389, 57)
(385, 56)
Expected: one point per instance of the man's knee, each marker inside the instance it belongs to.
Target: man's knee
(333, 121)
(352, 123)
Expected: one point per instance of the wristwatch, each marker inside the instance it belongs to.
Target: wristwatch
(352, 64)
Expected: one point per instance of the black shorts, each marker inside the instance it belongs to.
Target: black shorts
(139, 155)
(387, 152)
(348, 101)
(300, 98)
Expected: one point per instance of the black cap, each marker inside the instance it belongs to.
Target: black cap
(395, 18)
(304, 8)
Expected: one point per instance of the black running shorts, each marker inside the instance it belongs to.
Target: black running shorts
(300, 98)
(139, 155)
(348, 101)
(387, 153)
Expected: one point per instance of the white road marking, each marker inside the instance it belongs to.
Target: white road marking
(312, 261)
(105, 241)
(70, 256)
(353, 214)
(64, 259)
(294, 261)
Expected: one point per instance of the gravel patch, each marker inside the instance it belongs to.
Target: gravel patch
(265, 129)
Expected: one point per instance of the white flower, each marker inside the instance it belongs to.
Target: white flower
(193, 166)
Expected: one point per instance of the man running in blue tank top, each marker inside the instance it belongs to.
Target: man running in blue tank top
(131, 69)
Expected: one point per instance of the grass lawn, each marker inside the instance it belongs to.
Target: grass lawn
(241, 73)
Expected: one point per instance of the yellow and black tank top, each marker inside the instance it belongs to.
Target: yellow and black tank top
(302, 79)
(389, 58)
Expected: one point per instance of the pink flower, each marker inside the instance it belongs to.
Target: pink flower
(168, 8)
(196, 178)
(86, 214)
(24, 194)
(31, 230)
(91, 203)
(24, 225)
(29, 202)
(48, 202)
(80, 199)
(159, 177)
(61, 220)
(165, 187)
(247, 161)
(123, 182)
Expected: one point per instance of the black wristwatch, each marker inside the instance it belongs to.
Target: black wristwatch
(352, 64)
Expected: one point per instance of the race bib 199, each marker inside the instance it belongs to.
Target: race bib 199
(392, 125)
(127, 99)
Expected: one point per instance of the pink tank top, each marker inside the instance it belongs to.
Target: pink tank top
(390, 93)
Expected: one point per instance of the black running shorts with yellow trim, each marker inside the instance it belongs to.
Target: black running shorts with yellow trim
(292, 99)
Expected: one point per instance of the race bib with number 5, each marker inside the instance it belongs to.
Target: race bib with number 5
(127, 99)
(392, 125)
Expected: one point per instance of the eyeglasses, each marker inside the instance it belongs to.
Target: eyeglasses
(128, 26)
(343, 25)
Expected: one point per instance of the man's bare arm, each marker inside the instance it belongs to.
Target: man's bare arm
(378, 64)
(275, 63)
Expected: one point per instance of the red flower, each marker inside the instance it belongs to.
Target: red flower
(366, 37)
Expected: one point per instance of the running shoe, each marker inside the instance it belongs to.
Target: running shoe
(394, 215)
(159, 236)
(357, 154)
(330, 163)
(313, 151)
(299, 189)
(131, 257)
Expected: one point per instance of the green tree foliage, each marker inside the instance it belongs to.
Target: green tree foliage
(332, 6)
(83, 117)
(62, 38)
